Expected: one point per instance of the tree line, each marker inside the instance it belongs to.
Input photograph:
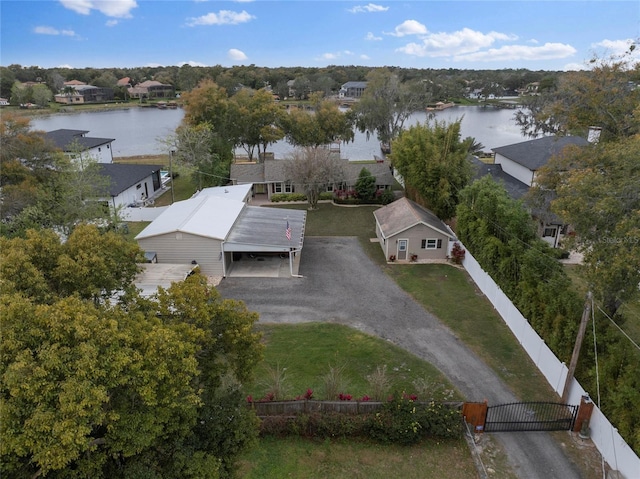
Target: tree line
(442, 84)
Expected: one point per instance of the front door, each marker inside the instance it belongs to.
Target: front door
(402, 249)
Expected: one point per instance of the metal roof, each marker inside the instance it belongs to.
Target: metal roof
(232, 192)
(65, 139)
(264, 229)
(208, 216)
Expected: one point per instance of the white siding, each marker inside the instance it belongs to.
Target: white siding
(133, 194)
(516, 170)
(177, 247)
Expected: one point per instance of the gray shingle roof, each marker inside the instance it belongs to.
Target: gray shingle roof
(122, 176)
(402, 214)
(64, 139)
(247, 172)
(534, 154)
(516, 189)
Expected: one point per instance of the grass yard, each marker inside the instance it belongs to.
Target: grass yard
(304, 354)
(304, 459)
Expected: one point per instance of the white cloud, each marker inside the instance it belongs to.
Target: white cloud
(223, 17)
(409, 27)
(371, 37)
(364, 57)
(616, 48)
(236, 55)
(110, 8)
(111, 23)
(457, 43)
(192, 63)
(369, 8)
(548, 51)
(330, 56)
(66, 65)
(574, 67)
(43, 30)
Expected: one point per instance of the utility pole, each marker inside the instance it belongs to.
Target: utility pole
(576, 348)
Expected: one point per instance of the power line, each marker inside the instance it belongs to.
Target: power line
(619, 328)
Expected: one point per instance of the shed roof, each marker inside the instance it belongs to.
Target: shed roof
(208, 216)
(403, 214)
(122, 176)
(534, 154)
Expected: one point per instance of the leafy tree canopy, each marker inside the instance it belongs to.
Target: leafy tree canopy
(135, 388)
(434, 164)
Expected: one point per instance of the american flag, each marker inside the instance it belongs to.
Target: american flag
(287, 232)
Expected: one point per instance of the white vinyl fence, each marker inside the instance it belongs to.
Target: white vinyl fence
(611, 445)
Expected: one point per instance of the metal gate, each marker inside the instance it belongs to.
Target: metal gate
(530, 416)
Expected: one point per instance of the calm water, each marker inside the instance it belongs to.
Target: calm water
(139, 131)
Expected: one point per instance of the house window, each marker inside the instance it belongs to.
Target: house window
(549, 232)
(330, 188)
(277, 188)
(288, 187)
(431, 244)
(99, 149)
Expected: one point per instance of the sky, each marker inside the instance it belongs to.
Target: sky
(536, 35)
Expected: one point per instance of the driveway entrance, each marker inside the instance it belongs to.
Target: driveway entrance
(341, 284)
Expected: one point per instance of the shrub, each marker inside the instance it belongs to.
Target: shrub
(327, 195)
(386, 197)
(404, 421)
(379, 382)
(334, 382)
(275, 383)
(283, 197)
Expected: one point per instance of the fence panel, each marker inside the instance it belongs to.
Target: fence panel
(611, 445)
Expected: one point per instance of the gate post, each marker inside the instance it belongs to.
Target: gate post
(584, 413)
(475, 413)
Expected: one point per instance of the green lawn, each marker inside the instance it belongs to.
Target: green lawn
(303, 459)
(306, 352)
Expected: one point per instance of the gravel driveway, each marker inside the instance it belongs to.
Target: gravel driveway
(341, 284)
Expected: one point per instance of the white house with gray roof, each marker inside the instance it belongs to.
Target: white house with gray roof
(75, 143)
(131, 185)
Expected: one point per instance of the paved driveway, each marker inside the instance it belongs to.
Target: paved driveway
(340, 284)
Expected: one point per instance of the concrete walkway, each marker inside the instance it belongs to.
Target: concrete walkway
(341, 284)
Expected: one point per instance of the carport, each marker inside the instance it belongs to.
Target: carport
(265, 242)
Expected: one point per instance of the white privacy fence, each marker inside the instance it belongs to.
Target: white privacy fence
(611, 445)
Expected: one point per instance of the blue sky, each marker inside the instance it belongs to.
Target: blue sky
(537, 35)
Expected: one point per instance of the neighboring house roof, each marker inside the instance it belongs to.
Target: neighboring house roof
(149, 83)
(66, 139)
(73, 82)
(516, 189)
(124, 176)
(208, 216)
(534, 154)
(403, 214)
(276, 170)
(355, 84)
(124, 81)
(247, 172)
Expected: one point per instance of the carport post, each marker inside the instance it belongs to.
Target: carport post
(291, 251)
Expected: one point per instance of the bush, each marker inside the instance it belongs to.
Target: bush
(283, 197)
(327, 195)
(386, 197)
(405, 421)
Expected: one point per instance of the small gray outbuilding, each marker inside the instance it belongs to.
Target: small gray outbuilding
(215, 228)
(407, 231)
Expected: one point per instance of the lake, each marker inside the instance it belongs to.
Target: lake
(139, 131)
